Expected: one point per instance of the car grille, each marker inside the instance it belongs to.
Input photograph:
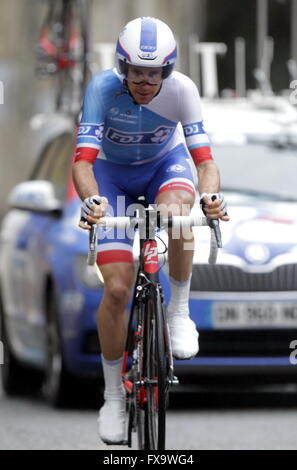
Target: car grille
(225, 278)
(228, 343)
(246, 343)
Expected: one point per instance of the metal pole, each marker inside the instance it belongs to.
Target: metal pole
(293, 51)
(262, 30)
(194, 68)
(240, 82)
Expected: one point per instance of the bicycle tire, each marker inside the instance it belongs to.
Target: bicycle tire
(155, 370)
(134, 348)
(71, 81)
(85, 8)
(138, 376)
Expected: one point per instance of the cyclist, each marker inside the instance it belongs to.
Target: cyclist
(128, 145)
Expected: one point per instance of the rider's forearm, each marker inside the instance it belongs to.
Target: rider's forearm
(84, 180)
(208, 177)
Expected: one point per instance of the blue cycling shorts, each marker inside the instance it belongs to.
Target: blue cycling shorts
(123, 184)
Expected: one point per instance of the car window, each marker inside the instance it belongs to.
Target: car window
(44, 166)
(258, 168)
(58, 173)
(55, 163)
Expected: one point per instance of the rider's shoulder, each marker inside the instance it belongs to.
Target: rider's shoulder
(182, 80)
(105, 80)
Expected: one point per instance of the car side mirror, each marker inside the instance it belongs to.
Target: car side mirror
(36, 196)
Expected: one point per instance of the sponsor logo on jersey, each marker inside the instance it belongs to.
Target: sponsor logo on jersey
(176, 168)
(193, 129)
(114, 111)
(91, 130)
(156, 137)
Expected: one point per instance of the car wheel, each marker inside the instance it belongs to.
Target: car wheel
(59, 384)
(17, 379)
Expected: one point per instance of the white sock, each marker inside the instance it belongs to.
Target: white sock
(179, 299)
(112, 371)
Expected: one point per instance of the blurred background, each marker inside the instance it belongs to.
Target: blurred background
(266, 29)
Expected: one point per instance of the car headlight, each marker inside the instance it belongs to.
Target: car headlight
(89, 276)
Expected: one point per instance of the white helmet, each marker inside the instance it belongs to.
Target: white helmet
(146, 42)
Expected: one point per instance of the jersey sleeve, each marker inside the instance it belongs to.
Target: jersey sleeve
(191, 119)
(90, 131)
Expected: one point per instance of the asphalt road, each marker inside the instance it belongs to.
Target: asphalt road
(208, 422)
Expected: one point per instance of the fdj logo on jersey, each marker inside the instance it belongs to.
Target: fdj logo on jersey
(156, 137)
(94, 131)
(193, 129)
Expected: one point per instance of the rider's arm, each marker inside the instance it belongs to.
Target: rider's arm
(90, 131)
(208, 184)
(84, 180)
(199, 147)
(89, 138)
(191, 119)
(208, 177)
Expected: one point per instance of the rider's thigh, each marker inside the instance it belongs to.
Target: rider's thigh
(175, 202)
(118, 280)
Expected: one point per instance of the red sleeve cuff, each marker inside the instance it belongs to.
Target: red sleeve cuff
(87, 154)
(201, 154)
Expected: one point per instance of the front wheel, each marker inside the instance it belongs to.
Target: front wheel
(155, 371)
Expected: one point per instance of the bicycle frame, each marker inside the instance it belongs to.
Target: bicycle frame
(147, 285)
(148, 271)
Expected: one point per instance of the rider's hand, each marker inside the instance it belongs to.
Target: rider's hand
(92, 209)
(214, 206)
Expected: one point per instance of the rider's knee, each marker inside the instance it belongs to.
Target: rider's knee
(175, 203)
(118, 292)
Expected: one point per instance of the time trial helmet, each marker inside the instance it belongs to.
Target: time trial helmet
(146, 42)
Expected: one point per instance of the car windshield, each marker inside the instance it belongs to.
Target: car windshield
(258, 169)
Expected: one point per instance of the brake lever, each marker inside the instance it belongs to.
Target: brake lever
(92, 239)
(215, 225)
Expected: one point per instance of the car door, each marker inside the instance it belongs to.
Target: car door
(26, 264)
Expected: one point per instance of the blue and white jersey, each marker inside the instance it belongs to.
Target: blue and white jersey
(114, 128)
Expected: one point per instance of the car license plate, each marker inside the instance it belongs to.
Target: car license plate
(254, 314)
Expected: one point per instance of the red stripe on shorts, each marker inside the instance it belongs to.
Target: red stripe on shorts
(114, 256)
(177, 185)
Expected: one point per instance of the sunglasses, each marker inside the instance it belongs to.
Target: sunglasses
(144, 82)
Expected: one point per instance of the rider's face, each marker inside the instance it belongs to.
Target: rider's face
(144, 82)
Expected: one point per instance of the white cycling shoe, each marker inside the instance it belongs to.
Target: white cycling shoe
(184, 337)
(112, 421)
